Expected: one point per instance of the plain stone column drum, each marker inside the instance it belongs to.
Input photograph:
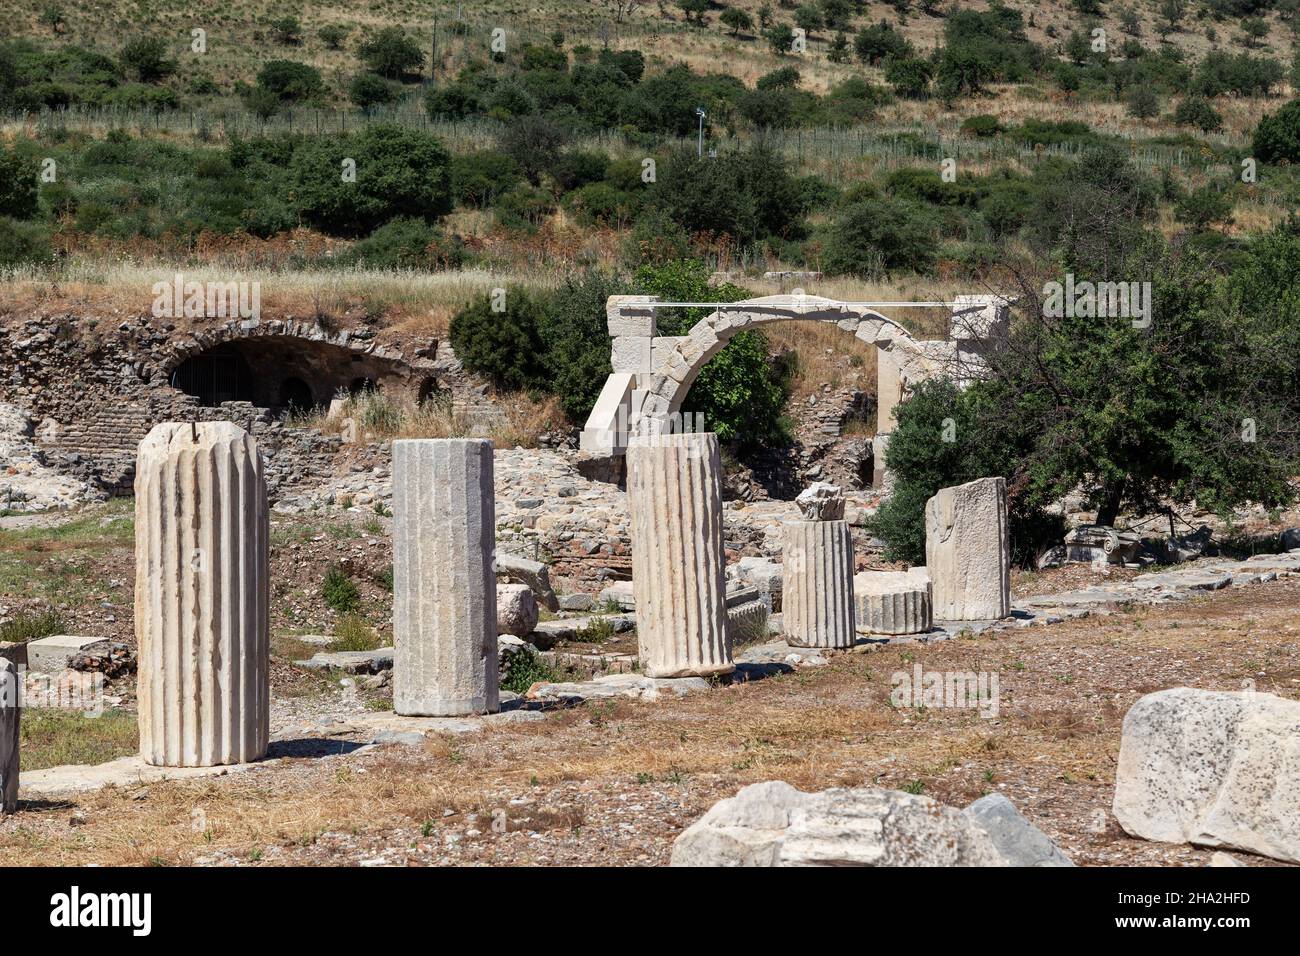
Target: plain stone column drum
(9, 720)
(674, 492)
(817, 601)
(202, 596)
(444, 588)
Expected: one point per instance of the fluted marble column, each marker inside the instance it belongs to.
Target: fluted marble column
(674, 491)
(444, 588)
(9, 721)
(817, 603)
(202, 596)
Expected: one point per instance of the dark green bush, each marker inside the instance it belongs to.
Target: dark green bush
(368, 90)
(23, 243)
(877, 236)
(391, 53)
(340, 592)
(289, 81)
(477, 178)
(19, 195)
(407, 243)
(1277, 137)
(505, 347)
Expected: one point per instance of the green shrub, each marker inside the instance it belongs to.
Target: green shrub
(368, 90)
(1277, 137)
(333, 35)
(23, 242)
(524, 669)
(19, 194)
(291, 82)
(340, 592)
(880, 235)
(477, 178)
(504, 347)
(909, 76)
(1196, 111)
(352, 633)
(407, 243)
(982, 126)
(146, 57)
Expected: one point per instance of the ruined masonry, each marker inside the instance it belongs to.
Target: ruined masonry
(444, 586)
(675, 498)
(9, 719)
(968, 551)
(202, 596)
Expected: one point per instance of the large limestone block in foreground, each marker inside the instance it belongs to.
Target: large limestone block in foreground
(9, 720)
(892, 602)
(773, 824)
(817, 603)
(674, 492)
(1214, 768)
(444, 586)
(968, 551)
(202, 596)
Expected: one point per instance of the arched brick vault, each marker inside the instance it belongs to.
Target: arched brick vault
(369, 361)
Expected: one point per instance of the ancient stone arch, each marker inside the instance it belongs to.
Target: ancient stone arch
(651, 374)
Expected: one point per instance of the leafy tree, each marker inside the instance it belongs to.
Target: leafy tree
(737, 20)
(399, 172)
(534, 143)
(503, 346)
(1196, 111)
(18, 189)
(748, 194)
(1277, 137)
(839, 50)
(879, 41)
(391, 53)
(477, 178)
(808, 18)
(146, 57)
(1204, 207)
(780, 38)
(910, 77)
(1143, 103)
(23, 242)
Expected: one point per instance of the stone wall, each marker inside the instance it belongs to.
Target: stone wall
(95, 386)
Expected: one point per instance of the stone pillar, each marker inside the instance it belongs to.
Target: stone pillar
(444, 586)
(817, 552)
(892, 602)
(674, 492)
(201, 596)
(968, 551)
(9, 721)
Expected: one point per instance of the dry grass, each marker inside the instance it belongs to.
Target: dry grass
(1052, 750)
(383, 416)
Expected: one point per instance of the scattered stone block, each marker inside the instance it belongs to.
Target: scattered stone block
(444, 588)
(621, 594)
(767, 576)
(634, 686)
(892, 602)
(821, 501)
(675, 500)
(1213, 768)
(1018, 840)
(352, 662)
(773, 824)
(577, 602)
(533, 573)
(49, 655)
(202, 596)
(968, 551)
(746, 616)
(516, 609)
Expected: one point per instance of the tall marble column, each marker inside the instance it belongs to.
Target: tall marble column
(202, 596)
(444, 588)
(10, 717)
(674, 491)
